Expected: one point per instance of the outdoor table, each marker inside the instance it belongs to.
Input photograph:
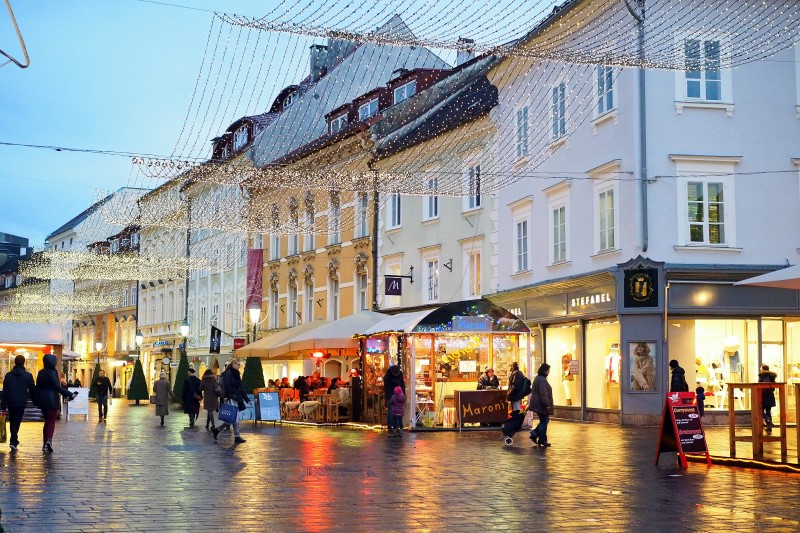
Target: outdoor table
(308, 407)
(290, 406)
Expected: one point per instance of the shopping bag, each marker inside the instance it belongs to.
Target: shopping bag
(3, 434)
(527, 423)
(228, 413)
(153, 400)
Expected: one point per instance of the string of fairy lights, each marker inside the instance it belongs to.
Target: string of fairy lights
(543, 58)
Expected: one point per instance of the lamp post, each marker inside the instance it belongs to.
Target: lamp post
(139, 338)
(185, 334)
(255, 317)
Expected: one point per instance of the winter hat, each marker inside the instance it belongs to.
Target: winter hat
(398, 390)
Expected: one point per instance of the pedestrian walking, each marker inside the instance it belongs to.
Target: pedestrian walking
(542, 404)
(233, 394)
(191, 395)
(516, 383)
(678, 381)
(102, 388)
(163, 393)
(18, 386)
(767, 395)
(700, 395)
(211, 394)
(48, 387)
(392, 379)
(396, 407)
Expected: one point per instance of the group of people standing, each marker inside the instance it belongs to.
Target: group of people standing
(210, 391)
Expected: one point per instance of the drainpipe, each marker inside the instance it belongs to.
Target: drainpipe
(375, 205)
(638, 13)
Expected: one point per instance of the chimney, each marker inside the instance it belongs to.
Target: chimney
(466, 50)
(318, 58)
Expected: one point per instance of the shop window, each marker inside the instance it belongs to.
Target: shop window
(507, 350)
(603, 365)
(565, 368)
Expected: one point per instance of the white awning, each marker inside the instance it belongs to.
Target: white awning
(337, 334)
(785, 278)
(24, 333)
(262, 347)
(400, 323)
(69, 355)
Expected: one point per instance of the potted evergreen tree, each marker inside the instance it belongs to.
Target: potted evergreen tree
(180, 376)
(253, 375)
(137, 388)
(92, 387)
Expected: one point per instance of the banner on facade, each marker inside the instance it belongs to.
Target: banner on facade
(255, 271)
(682, 428)
(216, 340)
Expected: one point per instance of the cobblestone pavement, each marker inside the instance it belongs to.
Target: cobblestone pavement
(129, 474)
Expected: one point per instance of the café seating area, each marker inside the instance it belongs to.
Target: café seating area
(320, 407)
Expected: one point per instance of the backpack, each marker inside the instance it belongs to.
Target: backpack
(526, 387)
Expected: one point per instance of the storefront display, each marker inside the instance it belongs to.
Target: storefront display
(561, 353)
(603, 365)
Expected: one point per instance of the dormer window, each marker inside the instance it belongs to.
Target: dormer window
(226, 151)
(368, 110)
(404, 92)
(339, 123)
(115, 246)
(289, 100)
(240, 137)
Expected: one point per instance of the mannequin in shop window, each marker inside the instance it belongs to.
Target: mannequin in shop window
(566, 377)
(732, 368)
(611, 374)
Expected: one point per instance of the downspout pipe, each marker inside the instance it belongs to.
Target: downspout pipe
(375, 206)
(638, 13)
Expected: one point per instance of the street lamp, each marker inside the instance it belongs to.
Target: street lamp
(185, 328)
(255, 317)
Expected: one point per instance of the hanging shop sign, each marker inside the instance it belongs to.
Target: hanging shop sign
(682, 428)
(238, 342)
(394, 286)
(641, 287)
(486, 406)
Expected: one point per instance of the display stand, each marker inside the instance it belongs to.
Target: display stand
(682, 428)
(268, 406)
(78, 406)
(757, 421)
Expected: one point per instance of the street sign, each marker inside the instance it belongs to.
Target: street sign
(682, 428)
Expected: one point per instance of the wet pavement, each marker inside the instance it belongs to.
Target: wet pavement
(129, 474)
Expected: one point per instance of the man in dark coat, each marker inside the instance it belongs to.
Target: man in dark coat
(233, 394)
(17, 386)
(102, 387)
(542, 404)
(767, 395)
(678, 381)
(393, 378)
(488, 380)
(191, 395)
(48, 387)
(516, 382)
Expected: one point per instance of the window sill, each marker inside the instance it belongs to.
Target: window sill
(605, 117)
(604, 253)
(522, 274)
(470, 210)
(706, 248)
(680, 105)
(429, 221)
(520, 162)
(559, 264)
(558, 143)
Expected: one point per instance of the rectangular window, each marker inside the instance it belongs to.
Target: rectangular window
(240, 316)
(362, 215)
(339, 123)
(335, 220)
(309, 228)
(522, 132)
(432, 279)
(294, 242)
(706, 211)
(275, 303)
(395, 221)
(275, 247)
(368, 110)
(240, 137)
(228, 324)
(215, 315)
(605, 212)
(203, 323)
(559, 110)
(474, 272)
(291, 318)
(605, 89)
(522, 246)
(473, 199)
(559, 229)
(333, 299)
(703, 69)
(124, 293)
(363, 294)
(308, 293)
(404, 92)
(431, 202)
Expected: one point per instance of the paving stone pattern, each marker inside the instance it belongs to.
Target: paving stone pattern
(129, 474)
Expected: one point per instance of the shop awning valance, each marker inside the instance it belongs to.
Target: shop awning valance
(468, 316)
(262, 347)
(69, 355)
(336, 335)
(785, 278)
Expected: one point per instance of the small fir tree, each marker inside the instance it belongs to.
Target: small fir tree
(253, 375)
(93, 387)
(137, 389)
(180, 376)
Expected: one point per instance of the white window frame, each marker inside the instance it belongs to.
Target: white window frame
(726, 74)
(367, 110)
(240, 137)
(334, 293)
(473, 178)
(605, 90)
(362, 214)
(291, 315)
(605, 181)
(275, 247)
(431, 270)
(338, 124)
(404, 92)
(393, 267)
(362, 292)
(335, 219)
(430, 203)
(308, 222)
(472, 252)
(558, 110)
(394, 208)
(522, 244)
(308, 293)
(522, 132)
(558, 198)
(275, 303)
(706, 170)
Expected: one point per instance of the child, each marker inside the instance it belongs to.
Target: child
(701, 398)
(396, 406)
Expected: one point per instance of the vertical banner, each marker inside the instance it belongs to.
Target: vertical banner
(216, 340)
(255, 271)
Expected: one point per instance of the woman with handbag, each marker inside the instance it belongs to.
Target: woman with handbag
(234, 396)
(191, 396)
(163, 393)
(211, 394)
(542, 404)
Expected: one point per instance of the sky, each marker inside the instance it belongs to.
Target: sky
(108, 75)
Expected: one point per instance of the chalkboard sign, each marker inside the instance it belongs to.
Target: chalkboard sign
(682, 428)
(487, 406)
(269, 407)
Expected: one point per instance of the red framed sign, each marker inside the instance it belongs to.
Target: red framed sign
(682, 428)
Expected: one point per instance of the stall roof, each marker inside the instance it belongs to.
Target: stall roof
(336, 335)
(69, 355)
(467, 316)
(24, 333)
(261, 348)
